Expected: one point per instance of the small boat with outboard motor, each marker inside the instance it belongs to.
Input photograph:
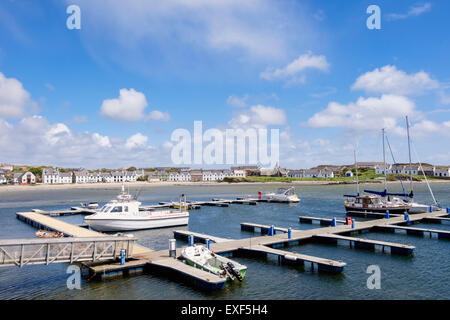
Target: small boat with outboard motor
(202, 258)
(48, 234)
(90, 205)
(124, 214)
(286, 195)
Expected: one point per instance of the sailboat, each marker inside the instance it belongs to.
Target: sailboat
(377, 201)
(417, 207)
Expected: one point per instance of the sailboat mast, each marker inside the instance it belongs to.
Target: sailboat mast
(356, 168)
(409, 152)
(384, 160)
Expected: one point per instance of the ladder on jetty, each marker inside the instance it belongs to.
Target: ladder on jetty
(21, 252)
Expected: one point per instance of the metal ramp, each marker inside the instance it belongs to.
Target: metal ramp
(21, 252)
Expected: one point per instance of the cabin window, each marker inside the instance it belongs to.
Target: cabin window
(125, 209)
(117, 209)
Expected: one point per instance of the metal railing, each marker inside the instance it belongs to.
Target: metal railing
(21, 252)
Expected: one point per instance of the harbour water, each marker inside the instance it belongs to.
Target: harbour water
(422, 276)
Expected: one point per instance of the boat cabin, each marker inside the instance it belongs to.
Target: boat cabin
(286, 191)
(120, 207)
(367, 200)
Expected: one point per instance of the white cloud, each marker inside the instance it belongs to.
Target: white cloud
(129, 106)
(390, 80)
(14, 99)
(236, 101)
(137, 140)
(366, 114)
(102, 141)
(56, 133)
(255, 28)
(426, 128)
(36, 141)
(159, 115)
(259, 116)
(413, 11)
(292, 70)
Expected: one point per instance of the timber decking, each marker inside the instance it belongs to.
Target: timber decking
(40, 221)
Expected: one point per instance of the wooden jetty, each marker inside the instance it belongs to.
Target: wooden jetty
(198, 237)
(140, 258)
(322, 221)
(396, 248)
(198, 204)
(368, 214)
(442, 234)
(44, 222)
(71, 212)
(333, 238)
(264, 229)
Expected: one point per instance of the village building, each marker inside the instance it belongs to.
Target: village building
(3, 179)
(181, 176)
(24, 178)
(196, 175)
(80, 176)
(295, 173)
(442, 172)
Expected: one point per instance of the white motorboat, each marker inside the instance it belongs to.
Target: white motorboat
(90, 205)
(202, 258)
(283, 195)
(123, 214)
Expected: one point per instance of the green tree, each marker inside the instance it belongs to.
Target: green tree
(36, 171)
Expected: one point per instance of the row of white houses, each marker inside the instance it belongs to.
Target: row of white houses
(415, 170)
(310, 174)
(51, 176)
(195, 175)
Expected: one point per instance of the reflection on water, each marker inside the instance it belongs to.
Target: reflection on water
(423, 276)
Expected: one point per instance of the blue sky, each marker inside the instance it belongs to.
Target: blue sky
(111, 93)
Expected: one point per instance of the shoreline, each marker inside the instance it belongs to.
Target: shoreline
(117, 185)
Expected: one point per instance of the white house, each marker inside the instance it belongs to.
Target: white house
(50, 175)
(442, 172)
(213, 175)
(183, 175)
(24, 178)
(106, 177)
(130, 176)
(65, 177)
(81, 176)
(295, 173)
(311, 173)
(3, 179)
(238, 173)
(379, 169)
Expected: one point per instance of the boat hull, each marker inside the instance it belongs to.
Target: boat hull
(396, 210)
(127, 224)
(242, 272)
(282, 199)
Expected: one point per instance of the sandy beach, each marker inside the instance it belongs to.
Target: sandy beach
(117, 185)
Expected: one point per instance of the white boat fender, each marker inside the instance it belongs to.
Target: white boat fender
(289, 257)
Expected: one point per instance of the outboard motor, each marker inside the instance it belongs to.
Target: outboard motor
(235, 271)
(227, 270)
